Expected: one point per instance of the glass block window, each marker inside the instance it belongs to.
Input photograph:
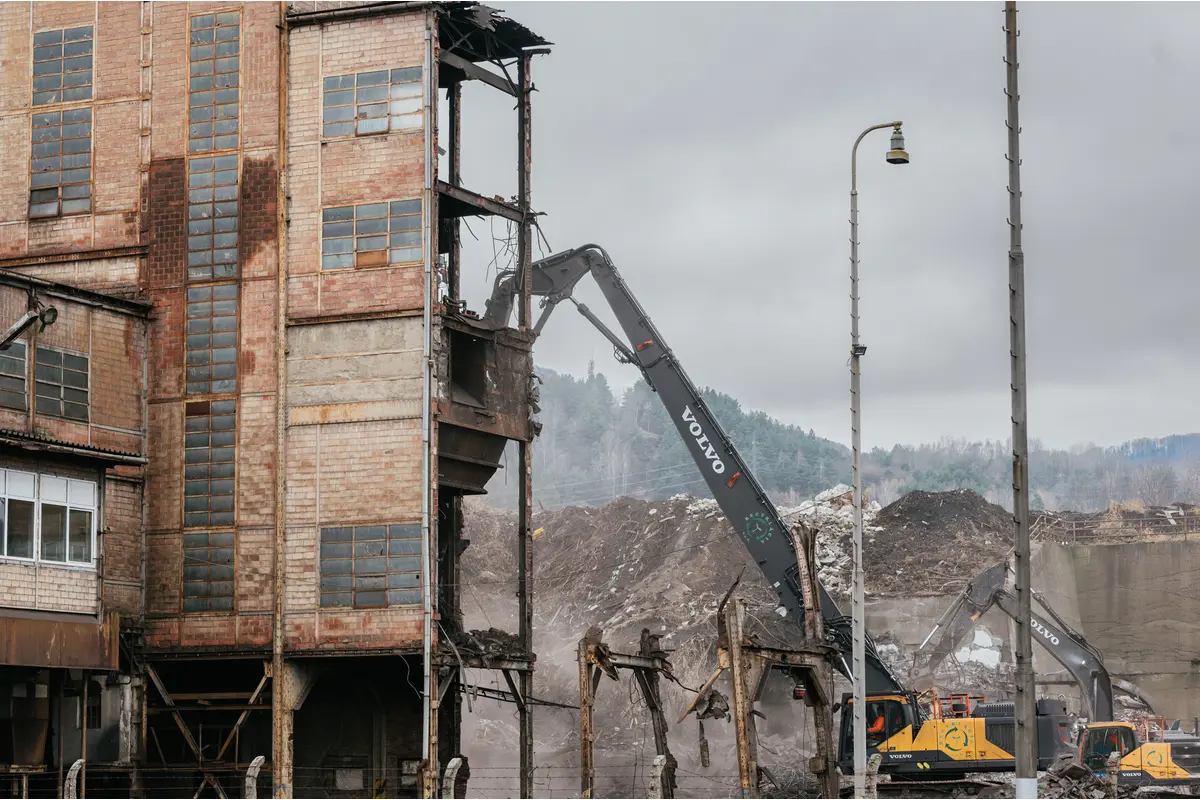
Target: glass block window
(208, 571)
(67, 519)
(370, 566)
(212, 218)
(371, 235)
(213, 83)
(60, 163)
(13, 393)
(62, 66)
(62, 384)
(372, 102)
(212, 339)
(210, 430)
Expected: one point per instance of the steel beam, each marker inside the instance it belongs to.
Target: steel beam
(475, 72)
(166, 696)
(484, 205)
(525, 450)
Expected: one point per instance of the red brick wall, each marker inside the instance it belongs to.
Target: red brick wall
(115, 124)
(258, 123)
(332, 173)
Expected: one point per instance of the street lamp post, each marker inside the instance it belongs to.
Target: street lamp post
(896, 155)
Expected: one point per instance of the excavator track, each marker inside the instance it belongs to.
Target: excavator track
(959, 788)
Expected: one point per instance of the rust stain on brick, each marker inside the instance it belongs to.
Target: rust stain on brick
(166, 264)
(246, 362)
(259, 193)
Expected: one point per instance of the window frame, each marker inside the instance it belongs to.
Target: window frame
(197, 200)
(23, 376)
(194, 297)
(397, 209)
(62, 73)
(61, 384)
(60, 186)
(208, 580)
(38, 501)
(338, 83)
(208, 523)
(332, 537)
(192, 120)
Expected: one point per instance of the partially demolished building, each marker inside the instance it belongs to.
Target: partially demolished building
(246, 402)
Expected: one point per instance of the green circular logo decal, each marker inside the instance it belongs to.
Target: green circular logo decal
(758, 527)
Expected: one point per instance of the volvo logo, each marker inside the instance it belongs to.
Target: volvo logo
(718, 466)
(1046, 634)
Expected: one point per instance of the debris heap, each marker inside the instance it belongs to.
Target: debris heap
(665, 565)
(934, 542)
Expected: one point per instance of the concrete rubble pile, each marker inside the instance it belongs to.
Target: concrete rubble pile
(665, 565)
(1067, 779)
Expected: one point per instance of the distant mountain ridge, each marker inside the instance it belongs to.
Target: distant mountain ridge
(596, 446)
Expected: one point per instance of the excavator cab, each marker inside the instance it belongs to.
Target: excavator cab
(1101, 740)
(887, 715)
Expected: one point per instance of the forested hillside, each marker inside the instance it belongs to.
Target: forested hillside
(596, 446)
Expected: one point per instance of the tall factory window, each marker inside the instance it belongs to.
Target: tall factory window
(13, 391)
(208, 571)
(62, 383)
(213, 85)
(212, 218)
(370, 103)
(67, 519)
(370, 566)
(60, 163)
(212, 339)
(371, 235)
(210, 433)
(62, 66)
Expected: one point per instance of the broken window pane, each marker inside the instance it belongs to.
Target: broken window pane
(215, 69)
(356, 571)
(359, 104)
(62, 66)
(60, 163)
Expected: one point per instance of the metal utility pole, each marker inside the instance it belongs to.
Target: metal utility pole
(896, 155)
(1026, 700)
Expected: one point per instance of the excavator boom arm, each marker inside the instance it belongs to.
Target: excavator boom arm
(753, 517)
(1069, 648)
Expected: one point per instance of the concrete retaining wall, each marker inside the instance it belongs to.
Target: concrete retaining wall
(1136, 603)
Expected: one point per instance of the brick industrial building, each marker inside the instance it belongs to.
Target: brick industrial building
(231, 467)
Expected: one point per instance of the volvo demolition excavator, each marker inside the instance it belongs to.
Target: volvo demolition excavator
(934, 747)
(1150, 754)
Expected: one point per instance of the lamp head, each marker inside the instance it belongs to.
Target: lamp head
(897, 154)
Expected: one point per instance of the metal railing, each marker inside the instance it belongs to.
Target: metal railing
(1101, 529)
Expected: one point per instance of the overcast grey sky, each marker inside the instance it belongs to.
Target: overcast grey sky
(706, 146)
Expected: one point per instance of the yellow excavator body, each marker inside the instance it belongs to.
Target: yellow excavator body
(1142, 763)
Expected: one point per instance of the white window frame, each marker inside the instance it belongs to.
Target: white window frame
(75, 500)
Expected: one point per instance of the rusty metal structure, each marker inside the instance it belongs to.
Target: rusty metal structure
(596, 660)
(749, 665)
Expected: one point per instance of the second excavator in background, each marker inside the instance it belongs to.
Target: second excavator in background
(1150, 753)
